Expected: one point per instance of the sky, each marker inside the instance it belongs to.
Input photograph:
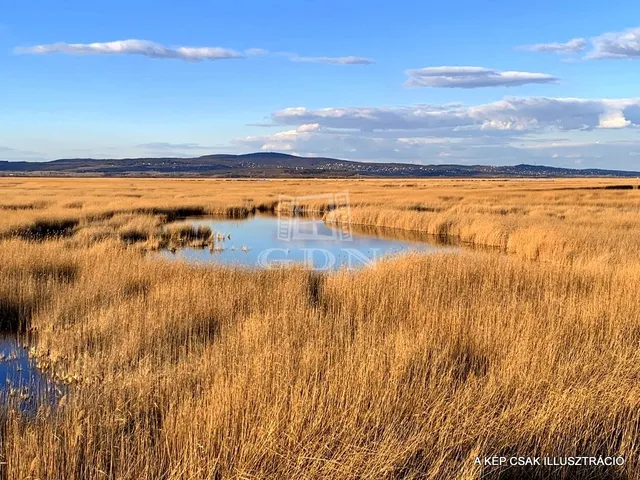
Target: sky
(461, 81)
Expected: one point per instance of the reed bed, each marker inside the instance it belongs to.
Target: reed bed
(406, 370)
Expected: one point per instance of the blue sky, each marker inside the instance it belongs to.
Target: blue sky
(498, 82)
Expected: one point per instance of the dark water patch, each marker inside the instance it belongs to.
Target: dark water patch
(22, 384)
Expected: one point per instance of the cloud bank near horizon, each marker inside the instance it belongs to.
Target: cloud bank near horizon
(567, 131)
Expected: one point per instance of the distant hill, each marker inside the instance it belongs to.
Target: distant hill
(278, 165)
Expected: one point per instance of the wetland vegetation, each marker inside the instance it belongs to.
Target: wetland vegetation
(407, 369)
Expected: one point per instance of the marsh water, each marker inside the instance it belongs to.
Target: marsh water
(269, 241)
(21, 383)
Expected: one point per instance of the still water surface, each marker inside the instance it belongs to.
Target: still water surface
(21, 383)
(269, 241)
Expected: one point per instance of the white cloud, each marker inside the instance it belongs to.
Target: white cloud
(282, 141)
(334, 60)
(575, 45)
(511, 114)
(613, 119)
(472, 77)
(134, 47)
(373, 118)
(309, 127)
(191, 54)
(256, 52)
(513, 130)
(624, 44)
(616, 45)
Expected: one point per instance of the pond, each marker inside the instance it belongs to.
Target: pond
(21, 383)
(269, 241)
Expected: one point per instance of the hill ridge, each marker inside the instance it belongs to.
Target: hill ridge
(282, 165)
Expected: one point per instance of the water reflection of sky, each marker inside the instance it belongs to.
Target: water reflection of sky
(268, 240)
(21, 383)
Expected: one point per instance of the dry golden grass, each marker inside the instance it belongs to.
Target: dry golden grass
(406, 370)
(556, 220)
